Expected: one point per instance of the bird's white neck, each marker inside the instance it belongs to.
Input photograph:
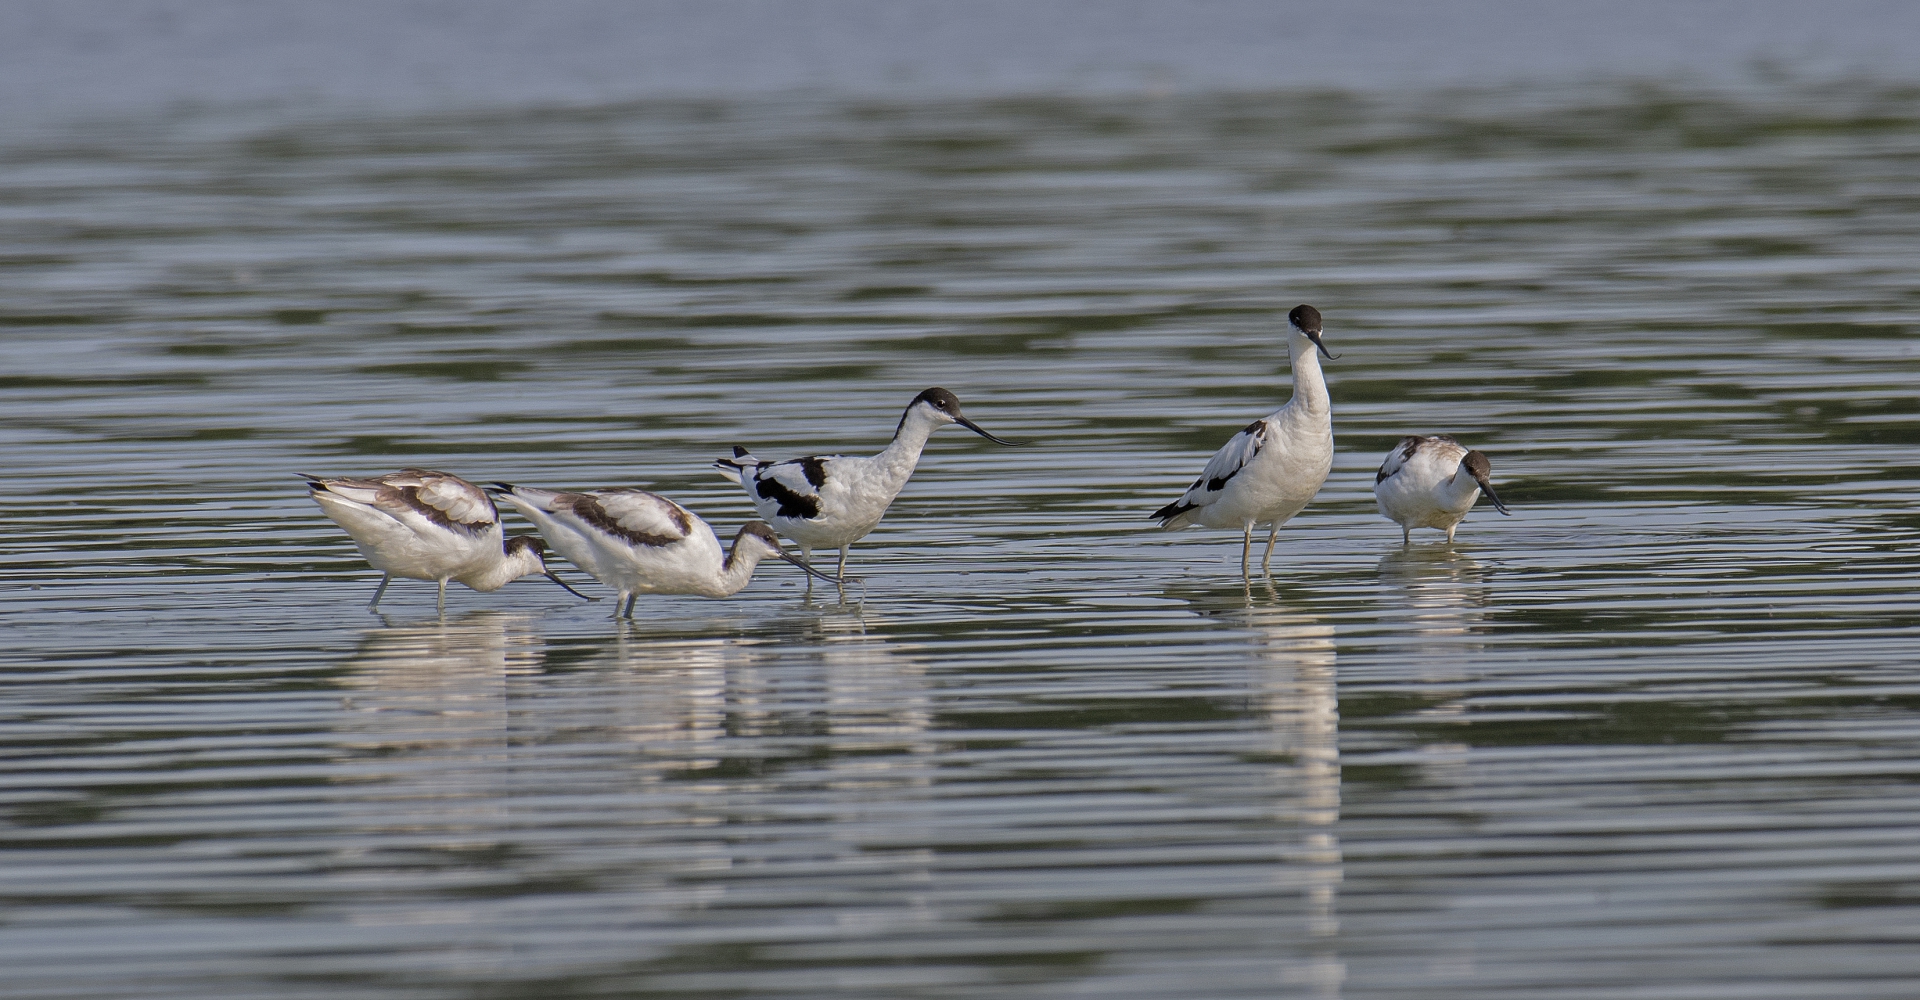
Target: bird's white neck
(524, 562)
(1309, 385)
(736, 572)
(1460, 489)
(897, 462)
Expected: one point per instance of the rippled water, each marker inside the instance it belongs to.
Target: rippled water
(1655, 734)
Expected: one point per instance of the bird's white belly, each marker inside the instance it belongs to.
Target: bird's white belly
(852, 502)
(392, 547)
(1276, 485)
(1417, 506)
(415, 561)
(672, 573)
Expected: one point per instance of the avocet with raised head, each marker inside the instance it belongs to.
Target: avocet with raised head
(1432, 482)
(1270, 470)
(418, 524)
(643, 543)
(832, 501)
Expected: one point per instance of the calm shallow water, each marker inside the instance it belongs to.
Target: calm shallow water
(1653, 735)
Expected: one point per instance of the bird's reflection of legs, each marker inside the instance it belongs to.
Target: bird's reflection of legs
(840, 602)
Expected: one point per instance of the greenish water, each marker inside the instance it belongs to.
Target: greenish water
(1655, 734)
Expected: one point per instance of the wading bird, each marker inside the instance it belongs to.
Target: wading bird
(643, 543)
(1431, 482)
(1268, 472)
(832, 501)
(423, 525)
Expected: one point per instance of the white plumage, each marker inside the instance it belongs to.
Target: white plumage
(832, 501)
(1432, 482)
(643, 543)
(424, 525)
(1269, 471)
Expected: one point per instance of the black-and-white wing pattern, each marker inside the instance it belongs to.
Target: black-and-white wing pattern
(792, 486)
(636, 516)
(1221, 468)
(789, 489)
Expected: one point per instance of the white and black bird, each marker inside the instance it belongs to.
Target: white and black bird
(1431, 482)
(643, 543)
(1269, 471)
(418, 524)
(832, 501)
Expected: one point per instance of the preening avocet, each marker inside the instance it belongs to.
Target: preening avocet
(832, 501)
(1268, 472)
(643, 543)
(1431, 482)
(424, 525)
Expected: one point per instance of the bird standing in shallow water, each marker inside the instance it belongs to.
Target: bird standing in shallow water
(1268, 472)
(832, 501)
(1431, 482)
(423, 525)
(643, 543)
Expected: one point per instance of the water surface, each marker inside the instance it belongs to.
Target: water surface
(1655, 734)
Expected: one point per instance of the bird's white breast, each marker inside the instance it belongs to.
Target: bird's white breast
(1282, 479)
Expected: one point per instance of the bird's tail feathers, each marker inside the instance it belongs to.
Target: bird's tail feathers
(741, 461)
(521, 497)
(1174, 515)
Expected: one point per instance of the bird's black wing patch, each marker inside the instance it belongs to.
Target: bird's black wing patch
(1221, 468)
(793, 504)
(1258, 431)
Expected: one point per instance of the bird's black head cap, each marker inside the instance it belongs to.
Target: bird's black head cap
(1306, 317)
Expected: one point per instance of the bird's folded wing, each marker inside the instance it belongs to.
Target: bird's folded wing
(803, 476)
(1227, 463)
(441, 498)
(640, 517)
(794, 485)
(1397, 459)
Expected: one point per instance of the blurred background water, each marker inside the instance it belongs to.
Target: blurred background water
(1654, 735)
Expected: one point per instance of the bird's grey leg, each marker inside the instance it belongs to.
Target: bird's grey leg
(630, 599)
(1450, 528)
(1406, 536)
(843, 565)
(1266, 563)
(1246, 550)
(806, 556)
(443, 598)
(385, 578)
